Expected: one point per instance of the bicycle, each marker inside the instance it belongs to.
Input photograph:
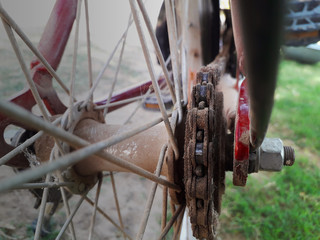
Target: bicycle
(198, 148)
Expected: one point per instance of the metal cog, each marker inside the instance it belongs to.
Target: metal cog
(204, 155)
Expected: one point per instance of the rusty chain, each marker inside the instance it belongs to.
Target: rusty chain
(204, 155)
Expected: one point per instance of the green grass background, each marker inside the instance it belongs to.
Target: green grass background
(283, 205)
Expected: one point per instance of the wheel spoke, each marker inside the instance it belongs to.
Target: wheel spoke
(106, 216)
(157, 48)
(177, 231)
(43, 203)
(74, 60)
(44, 185)
(147, 210)
(93, 218)
(144, 97)
(117, 70)
(173, 209)
(179, 211)
(67, 208)
(116, 200)
(129, 100)
(31, 83)
(88, 45)
(24, 68)
(172, 33)
(99, 77)
(69, 219)
(4, 15)
(164, 208)
(152, 75)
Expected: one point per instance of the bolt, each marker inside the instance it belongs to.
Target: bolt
(289, 156)
(199, 171)
(199, 203)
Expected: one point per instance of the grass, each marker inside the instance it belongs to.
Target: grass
(283, 205)
(297, 104)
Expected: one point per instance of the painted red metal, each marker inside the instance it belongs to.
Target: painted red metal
(57, 31)
(130, 93)
(242, 138)
(242, 125)
(51, 46)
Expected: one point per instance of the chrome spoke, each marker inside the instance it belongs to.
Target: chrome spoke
(155, 84)
(97, 80)
(116, 200)
(67, 209)
(44, 185)
(164, 207)
(88, 45)
(157, 48)
(117, 70)
(43, 203)
(24, 68)
(147, 210)
(69, 219)
(74, 60)
(165, 231)
(177, 231)
(106, 216)
(148, 93)
(172, 34)
(173, 209)
(129, 100)
(93, 218)
(142, 100)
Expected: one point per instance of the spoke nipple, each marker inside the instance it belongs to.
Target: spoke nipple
(289, 156)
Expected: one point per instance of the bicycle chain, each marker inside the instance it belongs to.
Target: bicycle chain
(204, 171)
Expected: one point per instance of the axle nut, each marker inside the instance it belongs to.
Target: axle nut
(271, 155)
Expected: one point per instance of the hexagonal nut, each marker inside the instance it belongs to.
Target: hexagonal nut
(271, 155)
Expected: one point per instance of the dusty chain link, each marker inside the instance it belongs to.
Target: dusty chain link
(204, 158)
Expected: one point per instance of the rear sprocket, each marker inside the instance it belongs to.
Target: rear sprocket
(204, 171)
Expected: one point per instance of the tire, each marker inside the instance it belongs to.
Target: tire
(302, 23)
